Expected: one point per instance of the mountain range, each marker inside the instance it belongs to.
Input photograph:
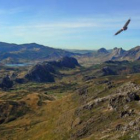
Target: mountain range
(63, 100)
(14, 53)
(116, 54)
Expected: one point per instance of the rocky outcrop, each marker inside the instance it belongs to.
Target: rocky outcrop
(41, 73)
(121, 100)
(118, 51)
(130, 126)
(6, 83)
(68, 62)
(126, 113)
(124, 94)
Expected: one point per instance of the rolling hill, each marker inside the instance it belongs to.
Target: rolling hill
(13, 53)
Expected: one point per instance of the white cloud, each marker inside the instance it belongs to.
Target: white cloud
(55, 25)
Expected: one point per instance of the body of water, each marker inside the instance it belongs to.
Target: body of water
(18, 65)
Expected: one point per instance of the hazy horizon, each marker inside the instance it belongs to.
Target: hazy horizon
(81, 25)
(78, 49)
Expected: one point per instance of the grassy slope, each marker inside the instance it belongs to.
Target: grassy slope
(58, 119)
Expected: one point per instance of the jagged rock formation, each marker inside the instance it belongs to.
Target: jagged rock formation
(117, 53)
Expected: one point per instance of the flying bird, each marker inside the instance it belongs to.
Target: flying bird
(124, 27)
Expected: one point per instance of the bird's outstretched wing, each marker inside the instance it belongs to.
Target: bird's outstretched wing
(126, 24)
(119, 31)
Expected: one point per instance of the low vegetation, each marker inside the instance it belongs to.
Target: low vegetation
(91, 103)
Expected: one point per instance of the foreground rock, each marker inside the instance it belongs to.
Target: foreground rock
(116, 112)
(121, 100)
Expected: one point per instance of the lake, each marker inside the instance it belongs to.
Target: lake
(18, 65)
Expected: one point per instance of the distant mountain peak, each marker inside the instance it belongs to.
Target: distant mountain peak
(118, 51)
(102, 50)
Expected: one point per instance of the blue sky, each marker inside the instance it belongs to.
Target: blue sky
(70, 24)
